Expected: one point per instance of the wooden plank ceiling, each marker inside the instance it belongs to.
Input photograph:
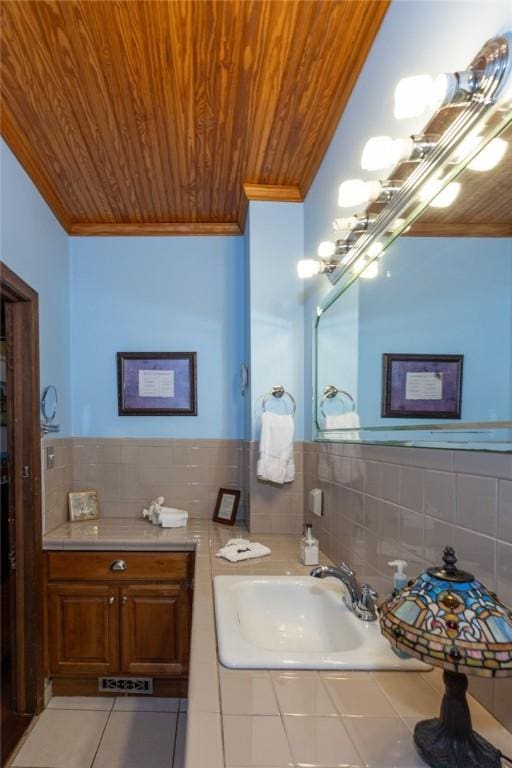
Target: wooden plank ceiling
(150, 117)
(483, 207)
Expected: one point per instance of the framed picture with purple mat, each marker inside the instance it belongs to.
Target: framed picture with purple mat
(421, 386)
(156, 383)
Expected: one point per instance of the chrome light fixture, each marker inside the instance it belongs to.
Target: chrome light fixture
(483, 93)
(381, 152)
(310, 267)
(413, 95)
(355, 192)
(353, 224)
(331, 255)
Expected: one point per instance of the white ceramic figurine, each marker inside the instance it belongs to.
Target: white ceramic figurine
(153, 513)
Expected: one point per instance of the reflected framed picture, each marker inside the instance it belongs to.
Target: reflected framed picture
(226, 506)
(421, 386)
(83, 505)
(156, 383)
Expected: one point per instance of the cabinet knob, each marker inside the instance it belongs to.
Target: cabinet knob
(124, 600)
(111, 600)
(118, 565)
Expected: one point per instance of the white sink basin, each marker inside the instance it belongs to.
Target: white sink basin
(288, 622)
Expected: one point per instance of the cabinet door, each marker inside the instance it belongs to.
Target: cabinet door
(83, 629)
(155, 629)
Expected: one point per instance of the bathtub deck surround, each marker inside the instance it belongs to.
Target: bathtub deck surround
(273, 718)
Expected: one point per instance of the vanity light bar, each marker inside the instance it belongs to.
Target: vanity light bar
(479, 88)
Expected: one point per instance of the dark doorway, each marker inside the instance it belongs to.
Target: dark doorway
(20, 515)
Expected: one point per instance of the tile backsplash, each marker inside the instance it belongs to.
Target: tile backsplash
(383, 503)
(57, 482)
(127, 473)
(274, 508)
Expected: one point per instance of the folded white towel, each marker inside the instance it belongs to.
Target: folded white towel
(344, 421)
(242, 549)
(173, 518)
(275, 462)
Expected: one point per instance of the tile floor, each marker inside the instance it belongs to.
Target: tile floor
(117, 732)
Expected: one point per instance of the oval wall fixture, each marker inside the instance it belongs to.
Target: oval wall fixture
(483, 96)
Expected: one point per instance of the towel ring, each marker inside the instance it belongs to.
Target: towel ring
(278, 391)
(330, 392)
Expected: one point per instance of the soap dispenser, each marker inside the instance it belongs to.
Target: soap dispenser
(400, 578)
(308, 547)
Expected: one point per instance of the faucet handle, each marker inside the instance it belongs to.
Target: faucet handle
(368, 595)
(348, 570)
(365, 608)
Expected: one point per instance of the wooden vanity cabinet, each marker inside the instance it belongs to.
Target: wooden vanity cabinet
(153, 637)
(118, 613)
(83, 624)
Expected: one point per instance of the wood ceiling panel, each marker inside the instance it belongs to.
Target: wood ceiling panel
(155, 114)
(483, 207)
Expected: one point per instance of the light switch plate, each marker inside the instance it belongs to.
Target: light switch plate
(50, 457)
(315, 502)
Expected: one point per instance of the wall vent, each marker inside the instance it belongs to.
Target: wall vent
(126, 684)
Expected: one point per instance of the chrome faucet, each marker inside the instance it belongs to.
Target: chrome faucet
(360, 598)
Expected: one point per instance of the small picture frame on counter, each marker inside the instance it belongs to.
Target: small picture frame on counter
(83, 505)
(226, 506)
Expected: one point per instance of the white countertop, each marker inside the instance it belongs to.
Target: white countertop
(273, 719)
(123, 533)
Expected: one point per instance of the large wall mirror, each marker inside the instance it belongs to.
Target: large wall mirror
(442, 294)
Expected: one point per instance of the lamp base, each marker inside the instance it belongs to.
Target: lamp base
(449, 741)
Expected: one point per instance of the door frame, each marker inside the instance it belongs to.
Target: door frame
(25, 512)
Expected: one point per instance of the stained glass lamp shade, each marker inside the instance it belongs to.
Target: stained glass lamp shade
(448, 619)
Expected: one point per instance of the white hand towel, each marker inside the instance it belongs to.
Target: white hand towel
(275, 462)
(344, 421)
(242, 549)
(173, 518)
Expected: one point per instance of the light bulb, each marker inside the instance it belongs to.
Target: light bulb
(308, 268)
(360, 264)
(443, 198)
(375, 250)
(371, 271)
(442, 90)
(447, 196)
(356, 192)
(383, 152)
(345, 225)
(399, 222)
(489, 156)
(326, 249)
(412, 94)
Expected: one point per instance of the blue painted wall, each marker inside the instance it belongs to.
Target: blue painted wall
(35, 246)
(247, 329)
(338, 352)
(275, 310)
(157, 294)
(415, 38)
